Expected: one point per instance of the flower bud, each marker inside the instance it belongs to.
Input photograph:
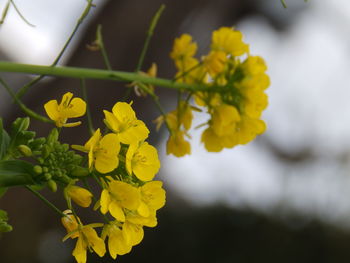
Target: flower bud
(37, 169)
(52, 185)
(70, 223)
(79, 195)
(25, 150)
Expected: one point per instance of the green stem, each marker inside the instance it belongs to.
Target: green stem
(28, 111)
(284, 3)
(88, 113)
(47, 202)
(86, 73)
(102, 47)
(4, 12)
(149, 36)
(20, 14)
(24, 89)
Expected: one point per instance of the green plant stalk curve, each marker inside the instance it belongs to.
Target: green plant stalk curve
(74, 72)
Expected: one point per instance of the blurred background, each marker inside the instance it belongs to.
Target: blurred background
(285, 197)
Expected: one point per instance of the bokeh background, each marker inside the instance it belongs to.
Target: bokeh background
(283, 198)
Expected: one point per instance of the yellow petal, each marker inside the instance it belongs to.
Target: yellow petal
(104, 201)
(116, 211)
(143, 210)
(132, 233)
(97, 244)
(79, 251)
(51, 109)
(76, 108)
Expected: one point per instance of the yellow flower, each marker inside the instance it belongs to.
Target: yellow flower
(137, 219)
(215, 62)
(87, 238)
(68, 108)
(152, 198)
(221, 132)
(122, 120)
(224, 119)
(212, 142)
(228, 40)
(132, 233)
(117, 196)
(79, 195)
(177, 145)
(117, 245)
(103, 151)
(70, 223)
(142, 160)
(183, 48)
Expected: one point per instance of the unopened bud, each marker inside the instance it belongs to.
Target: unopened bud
(37, 169)
(52, 185)
(25, 150)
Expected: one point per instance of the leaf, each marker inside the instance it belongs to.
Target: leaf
(4, 140)
(16, 172)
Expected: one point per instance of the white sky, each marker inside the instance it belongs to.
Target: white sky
(53, 20)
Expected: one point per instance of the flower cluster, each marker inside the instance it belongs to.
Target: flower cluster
(231, 90)
(124, 165)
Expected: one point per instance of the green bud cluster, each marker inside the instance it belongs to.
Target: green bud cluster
(57, 162)
(23, 142)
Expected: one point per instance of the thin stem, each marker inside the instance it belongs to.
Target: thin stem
(28, 111)
(74, 72)
(149, 35)
(20, 14)
(47, 202)
(284, 3)
(4, 12)
(102, 47)
(150, 31)
(155, 99)
(97, 180)
(88, 113)
(86, 11)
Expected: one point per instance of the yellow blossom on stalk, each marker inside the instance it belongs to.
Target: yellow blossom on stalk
(117, 245)
(152, 198)
(179, 121)
(87, 237)
(142, 160)
(177, 145)
(228, 40)
(117, 196)
(79, 195)
(103, 151)
(123, 122)
(248, 129)
(215, 62)
(135, 218)
(133, 233)
(68, 108)
(183, 48)
(224, 119)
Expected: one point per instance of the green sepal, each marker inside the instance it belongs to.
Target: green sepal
(16, 172)
(4, 140)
